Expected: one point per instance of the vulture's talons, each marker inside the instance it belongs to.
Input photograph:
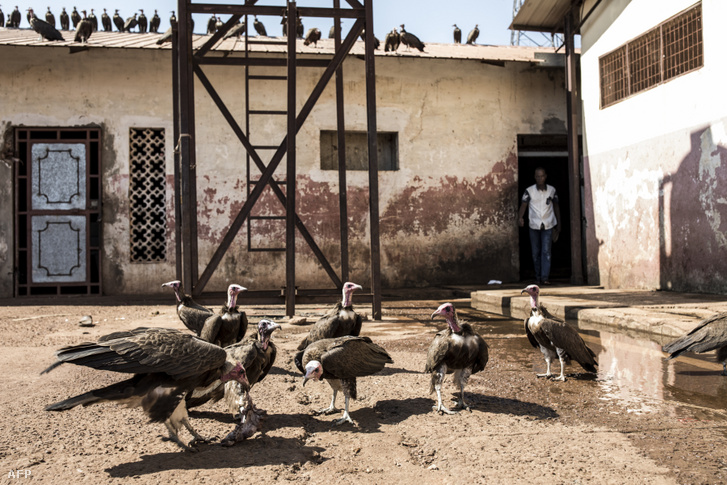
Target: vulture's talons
(463, 405)
(327, 411)
(559, 378)
(345, 419)
(544, 375)
(442, 410)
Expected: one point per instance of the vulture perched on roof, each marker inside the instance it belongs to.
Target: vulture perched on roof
(212, 25)
(106, 21)
(710, 334)
(2, 18)
(555, 338)
(84, 29)
(118, 21)
(472, 37)
(14, 18)
(75, 17)
(130, 23)
(257, 355)
(229, 325)
(339, 321)
(167, 365)
(50, 18)
(391, 43)
(299, 29)
(259, 27)
(457, 349)
(340, 361)
(154, 23)
(65, 20)
(313, 36)
(143, 22)
(411, 40)
(43, 28)
(94, 21)
(457, 34)
(236, 31)
(192, 314)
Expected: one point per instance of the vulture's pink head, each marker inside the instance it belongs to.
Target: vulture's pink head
(265, 329)
(348, 290)
(447, 311)
(232, 291)
(175, 285)
(534, 292)
(313, 370)
(236, 374)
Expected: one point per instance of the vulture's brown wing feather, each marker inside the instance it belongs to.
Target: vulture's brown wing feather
(272, 353)
(478, 351)
(353, 357)
(567, 338)
(148, 350)
(211, 328)
(710, 334)
(329, 325)
(530, 335)
(437, 350)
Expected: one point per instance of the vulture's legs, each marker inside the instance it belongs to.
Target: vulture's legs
(547, 371)
(462, 376)
(438, 378)
(549, 356)
(561, 357)
(346, 417)
(332, 408)
(198, 438)
(174, 437)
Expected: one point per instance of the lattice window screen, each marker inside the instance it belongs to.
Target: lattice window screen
(147, 195)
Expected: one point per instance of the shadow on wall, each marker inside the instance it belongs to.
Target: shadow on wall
(693, 216)
(593, 273)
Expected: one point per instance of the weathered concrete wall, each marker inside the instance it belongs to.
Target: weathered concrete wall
(447, 214)
(7, 202)
(656, 163)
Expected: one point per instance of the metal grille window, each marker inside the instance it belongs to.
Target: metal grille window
(357, 150)
(147, 194)
(673, 48)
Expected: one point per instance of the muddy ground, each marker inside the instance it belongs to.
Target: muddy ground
(521, 429)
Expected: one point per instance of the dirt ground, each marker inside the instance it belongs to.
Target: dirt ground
(521, 429)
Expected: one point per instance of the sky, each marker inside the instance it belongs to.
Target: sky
(430, 20)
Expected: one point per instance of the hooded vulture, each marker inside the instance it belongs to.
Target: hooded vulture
(339, 321)
(340, 361)
(555, 338)
(229, 325)
(710, 334)
(410, 40)
(43, 28)
(391, 43)
(192, 314)
(457, 349)
(167, 365)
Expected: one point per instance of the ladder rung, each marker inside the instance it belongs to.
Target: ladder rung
(267, 218)
(263, 250)
(279, 182)
(268, 78)
(267, 112)
(266, 147)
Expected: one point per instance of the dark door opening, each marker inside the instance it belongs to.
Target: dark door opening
(551, 153)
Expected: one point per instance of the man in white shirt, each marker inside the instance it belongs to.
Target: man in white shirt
(544, 222)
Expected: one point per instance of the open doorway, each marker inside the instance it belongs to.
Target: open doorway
(551, 153)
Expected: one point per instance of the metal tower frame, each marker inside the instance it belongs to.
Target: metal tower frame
(188, 64)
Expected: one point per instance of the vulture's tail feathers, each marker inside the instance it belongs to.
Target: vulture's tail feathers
(51, 367)
(679, 346)
(114, 392)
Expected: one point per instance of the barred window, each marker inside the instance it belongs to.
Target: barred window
(357, 150)
(672, 48)
(147, 194)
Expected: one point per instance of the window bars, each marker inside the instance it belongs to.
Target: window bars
(669, 50)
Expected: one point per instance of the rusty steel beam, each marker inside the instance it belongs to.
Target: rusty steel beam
(373, 164)
(277, 157)
(574, 156)
(341, 131)
(261, 166)
(259, 61)
(290, 187)
(177, 168)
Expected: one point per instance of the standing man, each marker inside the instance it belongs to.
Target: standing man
(544, 222)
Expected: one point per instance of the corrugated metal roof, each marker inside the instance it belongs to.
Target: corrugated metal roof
(126, 40)
(541, 16)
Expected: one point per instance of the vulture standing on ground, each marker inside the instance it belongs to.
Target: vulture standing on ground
(94, 21)
(106, 21)
(65, 20)
(167, 365)
(339, 321)
(236, 31)
(44, 29)
(392, 41)
(340, 361)
(229, 325)
(155, 22)
(118, 21)
(130, 23)
(14, 18)
(555, 338)
(457, 34)
(710, 334)
(313, 36)
(83, 29)
(472, 37)
(143, 22)
(259, 27)
(191, 313)
(257, 355)
(411, 40)
(75, 17)
(457, 349)
(50, 18)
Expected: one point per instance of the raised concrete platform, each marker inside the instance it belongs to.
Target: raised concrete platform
(663, 313)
